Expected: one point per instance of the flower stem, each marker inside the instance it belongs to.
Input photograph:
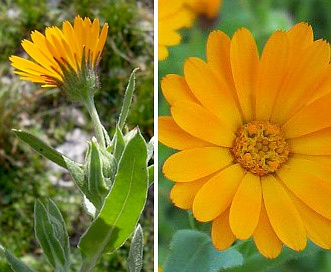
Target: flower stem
(98, 127)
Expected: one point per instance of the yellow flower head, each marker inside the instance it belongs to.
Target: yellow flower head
(173, 15)
(253, 134)
(63, 58)
(208, 8)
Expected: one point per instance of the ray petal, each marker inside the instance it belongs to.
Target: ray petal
(216, 195)
(170, 134)
(201, 123)
(283, 215)
(244, 65)
(246, 206)
(213, 93)
(193, 164)
(221, 234)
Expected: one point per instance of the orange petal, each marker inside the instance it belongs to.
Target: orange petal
(311, 118)
(221, 234)
(305, 179)
(175, 88)
(318, 227)
(244, 64)
(317, 143)
(218, 57)
(217, 194)
(213, 94)
(300, 36)
(165, 10)
(282, 214)
(265, 238)
(271, 73)
(245, 207)
(303, 77)
(173, 136)
(168, 36)
(201, 123)
(193, 164)
(101, 42)
(322, 160)
(162, 52)
(323, 86)
(182, 194)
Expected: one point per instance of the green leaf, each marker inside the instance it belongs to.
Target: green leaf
(41, 147)
(15, 264)
(119, 144)
(122, 208)
(150, 174)
(95, 189)
(127, 100)
(135, 259)
(254, 261)
(192, 251)
(59, 227)
(50, 238)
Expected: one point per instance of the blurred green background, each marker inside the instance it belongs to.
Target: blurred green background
(24, 175)
(261, 18)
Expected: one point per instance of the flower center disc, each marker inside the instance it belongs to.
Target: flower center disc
(260, 147)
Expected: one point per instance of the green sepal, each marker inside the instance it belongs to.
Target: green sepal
(79, 84)
(135, 259)
(127, 100)
(122, 208)
(15, 264)
(52, 236)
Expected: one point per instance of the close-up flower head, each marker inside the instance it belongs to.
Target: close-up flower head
(63, 58)
(173, 15)
(253, 137)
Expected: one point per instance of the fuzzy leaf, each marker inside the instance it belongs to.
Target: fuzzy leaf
(127, 100)
(122, 208)
(42, 148)
(49, 238)
(16, 264)
(59, 226)
(95, 187)
(119, 144)
(135, 259)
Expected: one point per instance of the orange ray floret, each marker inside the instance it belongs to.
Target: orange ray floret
(61, 52)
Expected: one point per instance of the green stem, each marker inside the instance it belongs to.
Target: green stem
(98, 127)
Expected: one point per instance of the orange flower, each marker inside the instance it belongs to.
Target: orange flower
(253, 135)
(208, 8)
(173, 15)
(63, 57)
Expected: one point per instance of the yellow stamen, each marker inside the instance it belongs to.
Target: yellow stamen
(260, 147)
